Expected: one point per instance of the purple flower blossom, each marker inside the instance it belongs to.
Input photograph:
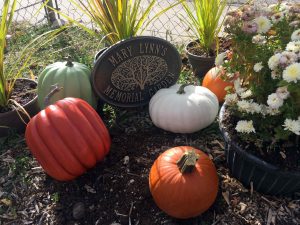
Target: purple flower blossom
(249, 27)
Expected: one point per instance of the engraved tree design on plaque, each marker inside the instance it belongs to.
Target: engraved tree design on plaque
(139, 72)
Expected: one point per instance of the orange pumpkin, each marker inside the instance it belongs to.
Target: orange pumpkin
(213, 81)
(183, 182)
(67, 138)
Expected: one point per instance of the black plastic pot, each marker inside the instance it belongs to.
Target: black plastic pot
(100, 103)
(201, 65)
(98, 54)
(247, 168)
(11, 120)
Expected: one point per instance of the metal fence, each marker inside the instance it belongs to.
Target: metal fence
(167, 26)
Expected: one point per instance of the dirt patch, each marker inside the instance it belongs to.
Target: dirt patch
(116, 190)
(196, 49)
(23, 92)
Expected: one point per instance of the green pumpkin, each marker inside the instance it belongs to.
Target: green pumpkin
(72, 76)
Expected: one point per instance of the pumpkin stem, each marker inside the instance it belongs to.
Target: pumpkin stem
(69, 62)
(54, 88)
(181, 89)
(187, 162)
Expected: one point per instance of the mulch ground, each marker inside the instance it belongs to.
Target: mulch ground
(116, 191)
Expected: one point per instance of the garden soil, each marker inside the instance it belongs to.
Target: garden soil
(284, 155)
(23, 92)
(116, 191)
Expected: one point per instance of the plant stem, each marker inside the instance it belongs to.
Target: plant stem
(186, 164)
(181, 89)
(55, 88)
(69, 62)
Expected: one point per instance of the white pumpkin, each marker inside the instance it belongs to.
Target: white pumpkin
(183, 108)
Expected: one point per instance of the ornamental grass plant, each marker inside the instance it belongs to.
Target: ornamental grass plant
(265, 56)
(204, 18)
(115, 20)
(9, 75)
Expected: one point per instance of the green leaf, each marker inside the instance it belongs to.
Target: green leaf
(204, 18)
(9, 76)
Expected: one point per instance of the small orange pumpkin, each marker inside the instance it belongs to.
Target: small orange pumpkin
(183, 182)
(213, 81)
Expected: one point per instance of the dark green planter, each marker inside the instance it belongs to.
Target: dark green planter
(247, 168)
(11, 120)
(200, 65)
(98, 54)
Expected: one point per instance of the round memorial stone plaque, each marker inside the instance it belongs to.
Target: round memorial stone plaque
(130, 72)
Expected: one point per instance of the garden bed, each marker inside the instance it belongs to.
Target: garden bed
(116, 190)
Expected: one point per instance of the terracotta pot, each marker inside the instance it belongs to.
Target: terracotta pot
(201, 65)
(247, 168)
(11, 120)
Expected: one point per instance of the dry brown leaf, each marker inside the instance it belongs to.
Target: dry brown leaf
(219, 143)
(226, 197)
(89, 189)
(269, 217)
(243, 207)
(293, 205)
(283, 155)
(6, 201)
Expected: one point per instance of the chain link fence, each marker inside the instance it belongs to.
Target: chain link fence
(168, 26)
(28, 10)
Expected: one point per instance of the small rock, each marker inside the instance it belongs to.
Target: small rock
(131, 181)
(78, 210)
(126, 160)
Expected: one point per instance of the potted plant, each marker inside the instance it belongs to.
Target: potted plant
(115, 20)
(260, 119)
(204, 19)
(18, 100)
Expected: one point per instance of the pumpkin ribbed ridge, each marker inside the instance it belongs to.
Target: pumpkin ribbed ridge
(103, 136)
(82, 153)
(44, 156)
(67, 138)
(94, 139)
(64, 150)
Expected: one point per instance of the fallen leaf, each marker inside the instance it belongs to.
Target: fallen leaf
(6, 201)
(243, 207)
(271, 217)
(283, 155)
(89, 189)
(226, 197)
(293, 205)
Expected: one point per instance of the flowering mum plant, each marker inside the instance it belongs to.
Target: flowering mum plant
(266, 59)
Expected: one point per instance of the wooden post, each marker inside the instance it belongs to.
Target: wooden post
(50, 13)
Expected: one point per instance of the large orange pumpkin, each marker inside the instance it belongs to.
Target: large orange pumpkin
(67, 138)
(183, 182)
(213, 81)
